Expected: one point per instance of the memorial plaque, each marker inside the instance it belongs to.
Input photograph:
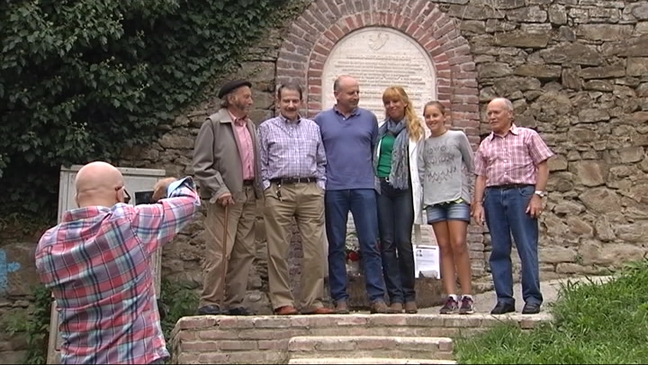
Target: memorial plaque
(378, 58)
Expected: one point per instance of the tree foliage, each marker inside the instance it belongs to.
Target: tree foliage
(81, 80)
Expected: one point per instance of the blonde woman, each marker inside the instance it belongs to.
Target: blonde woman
(445, 164)
(399, 195)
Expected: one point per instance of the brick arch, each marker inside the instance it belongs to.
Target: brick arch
(313, 35)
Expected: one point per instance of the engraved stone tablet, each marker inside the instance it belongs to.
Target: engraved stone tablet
(378, 58)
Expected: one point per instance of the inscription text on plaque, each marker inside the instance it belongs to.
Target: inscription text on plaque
(380, 57)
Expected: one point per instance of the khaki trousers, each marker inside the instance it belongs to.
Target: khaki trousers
(304, 201)
(240, 250)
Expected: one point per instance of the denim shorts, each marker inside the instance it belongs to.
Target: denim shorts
(458, 211)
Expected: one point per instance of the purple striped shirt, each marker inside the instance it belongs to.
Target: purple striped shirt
(291, 149)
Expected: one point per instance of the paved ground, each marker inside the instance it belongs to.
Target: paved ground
(486, 301)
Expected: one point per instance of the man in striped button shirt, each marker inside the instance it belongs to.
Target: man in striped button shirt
(293, 176)
(512, 172)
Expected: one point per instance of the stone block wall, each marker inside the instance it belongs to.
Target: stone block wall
(574, 69)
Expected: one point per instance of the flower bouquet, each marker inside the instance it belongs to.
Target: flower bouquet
(352, 251)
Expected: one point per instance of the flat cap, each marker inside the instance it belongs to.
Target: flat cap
(230, 86)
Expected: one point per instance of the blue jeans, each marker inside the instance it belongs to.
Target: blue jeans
(505, 213)
(395, 218)
(451, 211)
(362, 204)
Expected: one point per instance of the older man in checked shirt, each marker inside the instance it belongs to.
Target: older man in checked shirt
(293, 176)
(97, 262)
(512, 173)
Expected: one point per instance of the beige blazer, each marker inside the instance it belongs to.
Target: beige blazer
(216, 160)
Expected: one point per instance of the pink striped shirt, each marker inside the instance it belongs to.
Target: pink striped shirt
(512, 158)
(245, 147)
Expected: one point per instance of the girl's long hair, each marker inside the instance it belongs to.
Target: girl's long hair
(413, 122)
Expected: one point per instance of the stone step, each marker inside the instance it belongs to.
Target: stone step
(370, 347)
(264, 339)
(366, 360)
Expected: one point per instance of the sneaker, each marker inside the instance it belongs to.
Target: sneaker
(450, 306)
(467, 305)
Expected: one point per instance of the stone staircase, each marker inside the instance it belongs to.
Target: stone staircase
(330, 339)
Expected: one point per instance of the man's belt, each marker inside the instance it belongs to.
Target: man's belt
(510, 186)
(248, 182)
(293, 180)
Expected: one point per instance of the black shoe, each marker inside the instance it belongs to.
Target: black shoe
(209, 310)
(503, 308)
(240, 311)
(531, 308)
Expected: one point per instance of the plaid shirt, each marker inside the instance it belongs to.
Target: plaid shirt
(289, 149)
(511, 159)
(97, 262)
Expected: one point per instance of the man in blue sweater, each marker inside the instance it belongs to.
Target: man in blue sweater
(349, 134)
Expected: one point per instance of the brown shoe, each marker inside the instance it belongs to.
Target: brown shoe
(317, 310)
(397, 307)
(410, 307)
(286, 310)
(380, 307)
(341, 307)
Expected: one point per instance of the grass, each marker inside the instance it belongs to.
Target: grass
(593, 324)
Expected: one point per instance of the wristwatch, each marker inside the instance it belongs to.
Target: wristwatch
(540, 193)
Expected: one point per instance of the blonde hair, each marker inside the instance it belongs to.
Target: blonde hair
(413, 122)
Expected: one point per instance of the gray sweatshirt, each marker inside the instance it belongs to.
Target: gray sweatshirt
(446, 169)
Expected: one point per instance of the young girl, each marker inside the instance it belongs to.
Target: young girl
(445, 163)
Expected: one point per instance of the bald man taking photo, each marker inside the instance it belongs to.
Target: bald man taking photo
(97, 262)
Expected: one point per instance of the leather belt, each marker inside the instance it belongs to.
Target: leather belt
(510, 186)
(293, 180)
(248, 182)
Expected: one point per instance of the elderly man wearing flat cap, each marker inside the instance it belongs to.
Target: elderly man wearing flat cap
(226, 170)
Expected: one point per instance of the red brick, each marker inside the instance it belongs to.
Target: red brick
(467, 91)
(337, 31)
(382, 18)
(359, 21)
(367, 18)
(432, 18)
(388, 320)
(200, 346)
(196, 322)
(411, 28)
(331, 6)
(217, 334)
(188, 358)
(272, 322)
(237, 345)
(185, 335)
(213, 358)
(258, 357)
(376, 344)
(272, 344)
(350, 23)
(417, 10)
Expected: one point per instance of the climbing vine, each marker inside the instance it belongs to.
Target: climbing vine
(81, 80)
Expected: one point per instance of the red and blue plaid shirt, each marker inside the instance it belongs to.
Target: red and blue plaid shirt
(97, 262)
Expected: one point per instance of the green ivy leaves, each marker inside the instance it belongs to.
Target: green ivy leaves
(81, 80)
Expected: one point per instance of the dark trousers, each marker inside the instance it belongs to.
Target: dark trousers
(395, 221)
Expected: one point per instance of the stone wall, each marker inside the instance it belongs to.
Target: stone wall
(575, 72)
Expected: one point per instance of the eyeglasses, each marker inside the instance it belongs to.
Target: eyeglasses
(127, 196)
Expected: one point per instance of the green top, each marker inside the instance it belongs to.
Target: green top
(385, 156)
